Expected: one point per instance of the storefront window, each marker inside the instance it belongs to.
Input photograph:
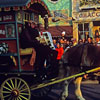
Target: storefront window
(83, 31)
(86, 27)
(96, 28)
(80, 27)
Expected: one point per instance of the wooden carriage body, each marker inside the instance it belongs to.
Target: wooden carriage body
(16, 78)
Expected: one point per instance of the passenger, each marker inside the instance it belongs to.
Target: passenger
(28, 39)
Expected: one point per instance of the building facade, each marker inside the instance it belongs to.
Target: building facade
(61, 17)
(55, 15)
(86, 18)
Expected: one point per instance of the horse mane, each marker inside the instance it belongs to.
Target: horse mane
(82, 55)
(73, 55)
(93, 55)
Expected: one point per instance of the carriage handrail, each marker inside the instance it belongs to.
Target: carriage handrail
(58, 80)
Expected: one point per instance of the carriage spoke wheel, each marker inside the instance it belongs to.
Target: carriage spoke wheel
(15, 89)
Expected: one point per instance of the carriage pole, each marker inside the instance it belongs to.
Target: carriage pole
(58, 80)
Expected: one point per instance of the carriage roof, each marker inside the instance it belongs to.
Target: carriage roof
(10, 3)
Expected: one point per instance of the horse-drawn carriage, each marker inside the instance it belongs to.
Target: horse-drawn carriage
(16, 73)
(17, 79)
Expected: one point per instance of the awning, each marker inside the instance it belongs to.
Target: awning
(12, 3)
(57, 30)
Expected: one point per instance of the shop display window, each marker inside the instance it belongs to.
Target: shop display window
(83, 30)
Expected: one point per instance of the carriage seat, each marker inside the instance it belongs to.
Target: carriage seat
(26, 51)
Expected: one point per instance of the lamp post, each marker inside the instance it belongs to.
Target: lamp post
(46, 22)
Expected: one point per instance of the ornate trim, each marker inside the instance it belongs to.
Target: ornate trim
(53, 1)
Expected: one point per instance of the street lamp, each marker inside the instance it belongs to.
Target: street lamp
(46, 22)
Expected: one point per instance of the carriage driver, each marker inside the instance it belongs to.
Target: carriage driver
(28, 40)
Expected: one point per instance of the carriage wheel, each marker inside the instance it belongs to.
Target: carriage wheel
(15, 89)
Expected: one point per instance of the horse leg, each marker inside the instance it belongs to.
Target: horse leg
(78, 92)
(64, 93)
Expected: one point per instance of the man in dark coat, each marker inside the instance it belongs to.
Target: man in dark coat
(28, 40)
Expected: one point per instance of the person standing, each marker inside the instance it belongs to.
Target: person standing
(90, 40)
(55, 43)
(99, 32)
(60, 51)
(63, 37)
(96, 34)
(86, 35)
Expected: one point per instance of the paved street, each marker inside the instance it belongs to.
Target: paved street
(90, 90)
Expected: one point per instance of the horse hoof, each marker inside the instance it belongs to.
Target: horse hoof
(80, 98)
(62, 98)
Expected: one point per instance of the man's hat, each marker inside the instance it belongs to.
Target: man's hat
(63, 32)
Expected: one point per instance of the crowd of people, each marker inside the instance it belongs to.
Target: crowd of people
(64, 43)
(94, 41)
